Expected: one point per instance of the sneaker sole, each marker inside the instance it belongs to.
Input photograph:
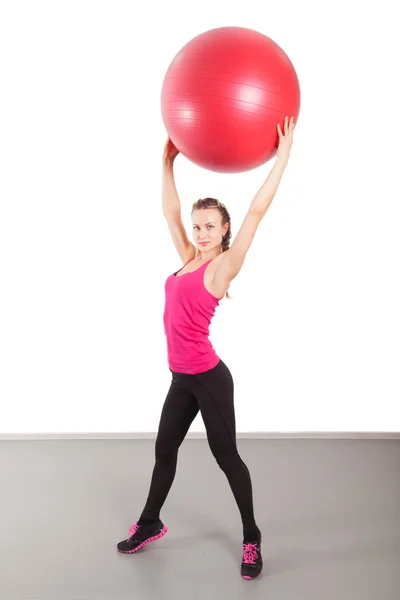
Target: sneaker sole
(152, 539)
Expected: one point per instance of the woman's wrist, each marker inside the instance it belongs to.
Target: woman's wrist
(168, 163)
(282, 162)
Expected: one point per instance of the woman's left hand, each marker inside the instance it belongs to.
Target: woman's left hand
(285, 139)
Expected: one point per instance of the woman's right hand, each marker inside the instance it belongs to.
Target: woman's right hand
(170, 151)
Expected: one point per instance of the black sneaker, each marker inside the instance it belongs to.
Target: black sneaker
(252, 562)
(140, 535)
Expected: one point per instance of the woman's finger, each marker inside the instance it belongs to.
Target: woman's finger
(279, 131)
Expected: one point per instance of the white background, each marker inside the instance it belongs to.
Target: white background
(311, 334)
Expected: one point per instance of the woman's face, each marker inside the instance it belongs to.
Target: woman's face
(207, 228)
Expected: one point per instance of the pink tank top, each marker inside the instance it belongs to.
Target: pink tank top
(189, 308)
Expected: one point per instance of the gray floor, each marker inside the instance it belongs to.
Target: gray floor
(329, 511)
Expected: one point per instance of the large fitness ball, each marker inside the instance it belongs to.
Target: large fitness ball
(223, 96)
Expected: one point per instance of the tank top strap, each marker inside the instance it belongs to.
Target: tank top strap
(203, 265)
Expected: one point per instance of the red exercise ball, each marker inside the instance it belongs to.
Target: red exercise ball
(223, 96)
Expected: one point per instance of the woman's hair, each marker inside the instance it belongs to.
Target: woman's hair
(225, 217)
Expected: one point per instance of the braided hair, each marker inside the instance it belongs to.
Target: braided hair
(225, 216)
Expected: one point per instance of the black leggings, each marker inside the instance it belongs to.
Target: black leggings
(212, 393)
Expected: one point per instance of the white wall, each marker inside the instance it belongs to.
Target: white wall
(312, 333)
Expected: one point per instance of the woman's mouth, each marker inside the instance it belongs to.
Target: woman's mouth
(203, 243)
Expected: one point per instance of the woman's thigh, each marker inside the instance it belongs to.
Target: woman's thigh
(214, 392)
(179, 410)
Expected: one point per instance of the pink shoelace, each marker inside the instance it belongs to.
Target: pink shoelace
(133, 529)
(250, 553)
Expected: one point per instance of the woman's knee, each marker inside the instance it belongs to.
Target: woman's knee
(165, 453)
(228, 459)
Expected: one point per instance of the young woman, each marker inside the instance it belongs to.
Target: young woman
(200, 379)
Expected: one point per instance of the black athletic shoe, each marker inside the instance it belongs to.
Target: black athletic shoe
(252, 562)
(140, 535)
